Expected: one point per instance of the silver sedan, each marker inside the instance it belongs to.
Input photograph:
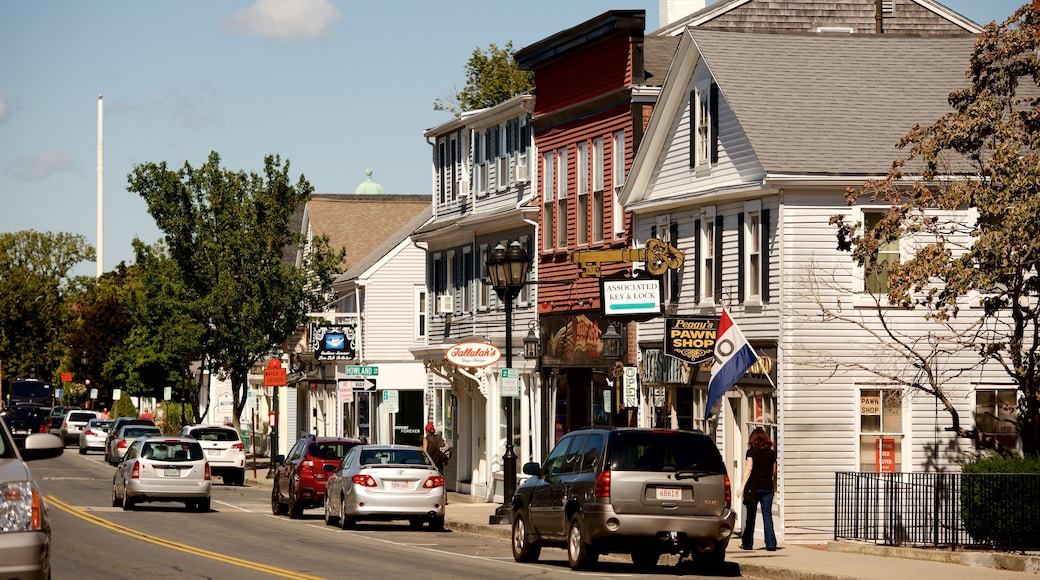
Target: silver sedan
(386, 482)
(163, 469)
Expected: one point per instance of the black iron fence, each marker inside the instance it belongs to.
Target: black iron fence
(997, 511)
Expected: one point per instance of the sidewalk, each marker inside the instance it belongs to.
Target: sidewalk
(831, 561)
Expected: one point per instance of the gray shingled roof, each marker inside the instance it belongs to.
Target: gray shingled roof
(833, 104)
(359, 267)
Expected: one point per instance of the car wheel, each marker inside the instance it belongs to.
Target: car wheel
(116, 502)
(437, 524)
(128, 502)
(295, 507)
(415, 523)
(240, 478)
(645, 558)
(713, 559)
(523, 549)
(277, 507)
(580, 555)
(82, 450)
(345, 522)
(330, 519)
(204, 504)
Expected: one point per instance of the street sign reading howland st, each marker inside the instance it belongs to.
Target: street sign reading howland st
(361, 371)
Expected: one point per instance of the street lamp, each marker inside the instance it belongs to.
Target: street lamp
(532, 346)
(508, 269)
(611, 341)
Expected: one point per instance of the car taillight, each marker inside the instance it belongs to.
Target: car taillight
(90, 433)
(136, 472)
(239, 446)
(364, 480)
(121, 444)
(603, 484)
(44, 429)
(433, 481)
(729, 493)
(206, 474)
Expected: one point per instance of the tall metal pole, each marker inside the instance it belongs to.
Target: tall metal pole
(509, 458)
(100, 186)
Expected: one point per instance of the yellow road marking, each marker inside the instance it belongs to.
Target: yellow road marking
(83, 515)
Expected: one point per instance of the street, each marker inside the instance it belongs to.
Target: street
(240, 538)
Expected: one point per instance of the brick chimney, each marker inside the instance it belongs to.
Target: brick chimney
(670, 11)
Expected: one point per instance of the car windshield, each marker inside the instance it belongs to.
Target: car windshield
(171, 451)
(132, 432)
(394, 457)
(100, 423)
(23, 413)
(665, 451)
(334, 450)
(214, 435)
(74, 416)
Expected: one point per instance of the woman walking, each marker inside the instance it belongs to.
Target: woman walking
(757, 486)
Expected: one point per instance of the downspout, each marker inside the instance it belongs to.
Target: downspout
(361, 324)
(879, 17)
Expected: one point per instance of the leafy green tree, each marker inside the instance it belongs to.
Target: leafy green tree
(36, 285)
(492, 77)
(101, 325)
(225, 232)
(994, 129)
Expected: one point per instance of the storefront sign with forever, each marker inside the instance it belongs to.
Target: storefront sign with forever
(690, 339)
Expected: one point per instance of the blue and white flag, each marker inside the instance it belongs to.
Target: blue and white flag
(733, 357)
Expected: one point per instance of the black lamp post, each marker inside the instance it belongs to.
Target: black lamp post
(508, 269)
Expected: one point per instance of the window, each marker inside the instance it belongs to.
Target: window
(597, 189)
(704, 130)
(420, 313)
(668, 231)
(707, 259)
(561, 199)
(453, 279)
(548, 199)
(762, 413)
(480, 173)
(494, 152)
(875, 274)
(583, 194)
(442, 168)
(453, 160)
(995, 411)
(485, 290)
(526, 291)
(751, 254)
(881, 430)
(502, 169)
(618, 162)
(468, 279)
(440, 280)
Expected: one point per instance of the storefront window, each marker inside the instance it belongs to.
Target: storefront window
(762, 413)
(995, 411)
(881, 430)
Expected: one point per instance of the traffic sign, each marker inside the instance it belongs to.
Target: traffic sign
(510, 382)
(361, 371)
(390, 401)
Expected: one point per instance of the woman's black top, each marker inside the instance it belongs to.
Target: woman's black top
(762, 462)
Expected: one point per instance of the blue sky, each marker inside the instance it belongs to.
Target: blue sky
(335, 87)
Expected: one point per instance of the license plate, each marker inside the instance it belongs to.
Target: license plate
(171, 472)
(398, 485)
(669, 493)
(21, 431)
(213, 452)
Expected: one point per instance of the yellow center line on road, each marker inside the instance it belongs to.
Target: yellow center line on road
(88, 517)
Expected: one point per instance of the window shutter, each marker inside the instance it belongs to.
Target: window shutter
(697, 259)
(714, 141)
(740, 258)
(693, 129)
(676, 278)
(718, 259)
(764, 249)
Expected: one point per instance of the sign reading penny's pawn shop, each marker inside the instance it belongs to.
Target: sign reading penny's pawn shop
(473, 354)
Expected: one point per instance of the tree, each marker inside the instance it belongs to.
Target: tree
(101, 325)
(35, 290)
(994, 131)
(225, 232)
(492, 77)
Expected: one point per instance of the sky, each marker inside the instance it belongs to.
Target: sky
(335, 87)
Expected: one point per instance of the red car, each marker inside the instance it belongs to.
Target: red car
(300, 476)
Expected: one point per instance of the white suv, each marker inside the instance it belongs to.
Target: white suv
(224, 450)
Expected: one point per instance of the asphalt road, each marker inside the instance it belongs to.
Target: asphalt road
(240, 539)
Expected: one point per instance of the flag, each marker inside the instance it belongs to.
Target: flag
(733, 357)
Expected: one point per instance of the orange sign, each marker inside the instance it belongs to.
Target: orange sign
(885, 455)
(66, 377)
(274, 377)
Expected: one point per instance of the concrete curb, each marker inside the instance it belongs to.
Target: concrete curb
(996, 560)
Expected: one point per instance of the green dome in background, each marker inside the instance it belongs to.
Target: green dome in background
(369, 187)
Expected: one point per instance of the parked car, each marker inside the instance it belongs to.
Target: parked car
(162, 469)
(74, 422)
(24, 420)
(93, 436)
(26, 531)
(644, 492)
(57, 415)
(386, 482)
(299, 478)
(124, 437)
(224, 450)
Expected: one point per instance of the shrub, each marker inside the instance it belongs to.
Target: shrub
(1000, 501)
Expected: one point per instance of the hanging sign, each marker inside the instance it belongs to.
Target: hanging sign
(690, 339)
(473, 354)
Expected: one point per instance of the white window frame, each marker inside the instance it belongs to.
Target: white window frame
(561, 197)
(702, 126)
(526, 294)
(597, 190)
(753, 252)
(484, 290)
(582, 209)
(863, 296)
(618, 162)
(449, 274)
(421, 319)
(1004, 430)
(706, 269)
(502, 162)
(896, 428)
(468, 281)
(548, 199)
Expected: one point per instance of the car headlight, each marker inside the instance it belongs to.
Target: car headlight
(21, 509)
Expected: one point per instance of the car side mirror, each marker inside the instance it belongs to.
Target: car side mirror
(532, 468)
(279, 459)
(329, 468)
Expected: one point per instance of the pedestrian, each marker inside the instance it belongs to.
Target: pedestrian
(104, 413)
(433, 444)
(757, 487)
(146, 414)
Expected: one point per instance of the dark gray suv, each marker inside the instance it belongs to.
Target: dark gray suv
(643, 492)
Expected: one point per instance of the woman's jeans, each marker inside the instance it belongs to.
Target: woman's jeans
(763, 497)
